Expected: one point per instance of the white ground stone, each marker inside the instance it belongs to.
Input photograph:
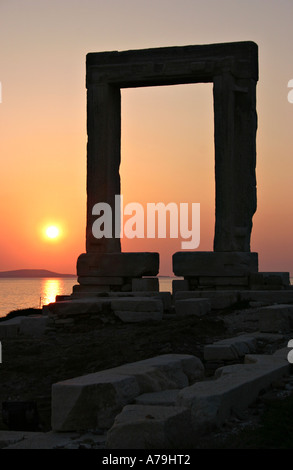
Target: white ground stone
(230, 348)
(150, 427)
(235, 387)
(93, 400)
(169, 371)
(164, 398)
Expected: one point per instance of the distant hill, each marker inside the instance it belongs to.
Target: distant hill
(33, 273)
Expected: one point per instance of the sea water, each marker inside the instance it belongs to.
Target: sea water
(19, 293)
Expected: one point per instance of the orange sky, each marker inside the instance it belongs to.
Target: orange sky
(167, 132)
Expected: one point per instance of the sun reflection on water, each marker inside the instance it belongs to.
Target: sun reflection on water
(50, 288)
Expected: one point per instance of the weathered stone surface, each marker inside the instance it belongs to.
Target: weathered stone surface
(206, 263)
(196, 307)
(39, 440)
(234, 388)
(137, 304)
(151, 427)
(34, 326)
(180, 285)
(235, 126)
(267, 296)
(169, 371)
(93, 400)
(219, 299)
(10, 328)
(81, 291)
(276, 318)
(233, 69)
(265, 280)
(101, 280)
(230, 348)
(136, 317)
(163, 398)
(22, 325)
(9, 438)
(177, 64)
(147, 284)
(50, 440)
(118, 264)
(70, 308)
(230, 281)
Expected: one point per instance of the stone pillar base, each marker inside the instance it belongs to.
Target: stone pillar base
(199, 264)
(116, 272)
(224, 271)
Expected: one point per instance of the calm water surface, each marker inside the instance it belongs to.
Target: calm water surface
(31, 292)
(20, 293)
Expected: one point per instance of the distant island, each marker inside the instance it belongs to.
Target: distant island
(33, 273)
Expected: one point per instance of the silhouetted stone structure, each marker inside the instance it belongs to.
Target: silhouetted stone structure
(233, 69)
(103, 270)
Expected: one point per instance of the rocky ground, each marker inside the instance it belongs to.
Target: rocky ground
(31, 365)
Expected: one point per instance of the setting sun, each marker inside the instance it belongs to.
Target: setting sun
(52, 232)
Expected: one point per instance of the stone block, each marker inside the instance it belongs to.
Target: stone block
(205, 263)
(267, 296)
(234, 388)
(10, 438)
(137, 317)
(10, 328)
(118, 264)
(193, 307)
(101, 280)
(219, 299)
(137, 304)
(71, 308)
(40, 440)
(84, 289)
(230, 349)
(151, 427)
(145, 284)
(59, 298)
(163, 398)
(169, 371)
(179, 285)
(263, 280)
(34, 326)
(227, 281)
(276, 318)
(92, 401)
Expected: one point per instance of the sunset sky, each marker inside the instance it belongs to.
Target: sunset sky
(167, 132)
